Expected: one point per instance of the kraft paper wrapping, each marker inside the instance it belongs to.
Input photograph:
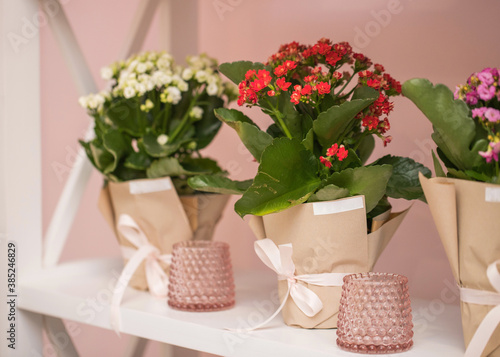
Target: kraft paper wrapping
(469, 228)
(326, 243)
(164, 217)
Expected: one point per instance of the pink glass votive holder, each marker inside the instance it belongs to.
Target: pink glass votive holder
(375, 314)
(201, 277)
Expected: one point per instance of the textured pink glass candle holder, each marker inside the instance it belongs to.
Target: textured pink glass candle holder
(375, 314)
(201, 277)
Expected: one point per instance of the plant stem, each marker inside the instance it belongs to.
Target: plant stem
(165, 117)
(281, 123)
(184, 119)
(345, 85)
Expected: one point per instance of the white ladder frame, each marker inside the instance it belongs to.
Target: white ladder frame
(20, 176)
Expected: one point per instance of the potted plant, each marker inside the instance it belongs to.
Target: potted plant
(150, 126)
(464, 198)
(313, 187)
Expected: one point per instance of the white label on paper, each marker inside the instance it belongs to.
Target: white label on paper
(492, 194)
(331, 207)
(148, 186)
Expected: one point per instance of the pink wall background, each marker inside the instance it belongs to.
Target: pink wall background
(443, 40)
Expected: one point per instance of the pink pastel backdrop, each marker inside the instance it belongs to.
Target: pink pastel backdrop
(441, 40)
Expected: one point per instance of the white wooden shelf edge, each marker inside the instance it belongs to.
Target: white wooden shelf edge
(81, 291)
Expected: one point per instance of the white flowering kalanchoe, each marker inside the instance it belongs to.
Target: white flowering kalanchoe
(153, 110)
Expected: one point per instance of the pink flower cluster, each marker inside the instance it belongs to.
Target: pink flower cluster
(482, 94)
(335, 151)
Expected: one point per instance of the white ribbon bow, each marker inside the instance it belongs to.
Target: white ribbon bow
(492, 319)
(156, 277)
(280, 260)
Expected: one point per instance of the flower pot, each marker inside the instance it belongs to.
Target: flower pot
(327, 237)
(163, 216)
(466, 215)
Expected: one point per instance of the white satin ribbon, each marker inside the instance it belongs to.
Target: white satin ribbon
(489, 324)
(279, 259)
(156, 277)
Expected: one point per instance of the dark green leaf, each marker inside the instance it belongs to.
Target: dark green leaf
(308, 141)
(127, 116)
(168, 166)
(209, 125)
(365, 148)
(137, 161)
(274, 131)
(236, 71)
(332, 124)
(252, 137)
(287, 176)
(218, 184)
(150, 143)
(201, 165)
(404, 182)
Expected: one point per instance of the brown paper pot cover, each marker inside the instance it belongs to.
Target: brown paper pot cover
(164, 217)
(331, 243)
(469, 228)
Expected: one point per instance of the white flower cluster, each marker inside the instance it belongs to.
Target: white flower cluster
(156, 71)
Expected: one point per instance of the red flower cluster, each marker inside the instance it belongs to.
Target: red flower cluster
(254, 83)
(310, 73)
(387, 86)
(334, 151)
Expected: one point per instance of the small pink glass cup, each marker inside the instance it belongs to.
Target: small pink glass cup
(201, 277)
(375, 314)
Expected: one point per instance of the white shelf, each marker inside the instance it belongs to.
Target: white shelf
(80, 291)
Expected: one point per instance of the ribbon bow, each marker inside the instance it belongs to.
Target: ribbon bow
(279, 259)
(492, 319)
(156, 277)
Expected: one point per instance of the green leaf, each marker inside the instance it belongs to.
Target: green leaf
(137, 161)
(252, 137)
(404, 182)
(287, 176)
(169, 166)
(236, 71)
(127, 116)
(103, 159)
(332, 124)
(150, 143)
(454, 128)
(118, 145)
(438, 169)
(201, 164)
(382, 206)
(370, 181)
(329, 193)
(274, 131)
(209, 125)
(291, 117)
(88, 151)
(365, 148)
(308, 142)
(218, 184)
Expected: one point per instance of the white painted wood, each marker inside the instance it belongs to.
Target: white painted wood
(59, 337)
(20, 166)
(139, 27)
(81, 291)
(74, 188)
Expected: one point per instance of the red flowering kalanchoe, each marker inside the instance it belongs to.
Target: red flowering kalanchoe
(310, 76)
(327, 103)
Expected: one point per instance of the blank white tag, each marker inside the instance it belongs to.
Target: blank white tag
(148, 186)
(331, 207)
(492, 194)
